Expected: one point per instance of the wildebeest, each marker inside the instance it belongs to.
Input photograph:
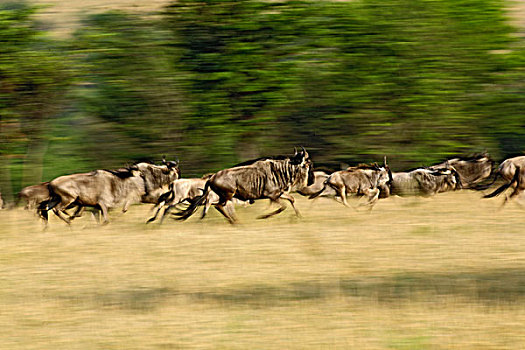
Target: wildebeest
(34, 195)
(106, 189)
(471, 170)
(362, 180)
(187, 191)
(507, 170)
(425, 181)
(517, 182)
(180, 190)
(268, 177)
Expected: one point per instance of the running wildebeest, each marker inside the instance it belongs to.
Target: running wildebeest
(106, 189)
(471, 170)
(425, 181)
(34, 195)
(187, 190)
(269, 177)
(362, 180)
(508, 171)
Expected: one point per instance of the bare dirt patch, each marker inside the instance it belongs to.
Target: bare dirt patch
(63, 17)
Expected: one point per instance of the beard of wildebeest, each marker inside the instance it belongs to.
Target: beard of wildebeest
(305, 171)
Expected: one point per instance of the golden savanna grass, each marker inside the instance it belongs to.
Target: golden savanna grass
(440, 273)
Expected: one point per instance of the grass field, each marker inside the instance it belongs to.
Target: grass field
(440, 273)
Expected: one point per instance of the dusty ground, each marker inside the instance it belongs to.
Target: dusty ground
(440, 273)
(63, 16)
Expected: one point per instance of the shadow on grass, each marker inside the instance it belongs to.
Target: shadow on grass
(493, 287)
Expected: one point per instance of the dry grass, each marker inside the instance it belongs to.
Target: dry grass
(63, 16)
(440, 273)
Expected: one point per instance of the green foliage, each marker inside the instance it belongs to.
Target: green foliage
(217, 82)
(128, 95)
(32, 81)
(351, 80)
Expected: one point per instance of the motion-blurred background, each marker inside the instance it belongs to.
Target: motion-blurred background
(97, 84)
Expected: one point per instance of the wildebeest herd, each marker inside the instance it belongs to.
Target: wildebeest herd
(274, 178)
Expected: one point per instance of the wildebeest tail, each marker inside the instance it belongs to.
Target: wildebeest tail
(318, 193)
(190, 210)
(517, 178)
(164, 199)
(503, 187)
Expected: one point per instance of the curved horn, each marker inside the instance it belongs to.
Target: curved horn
(164, 159)
(294, 151)
(384, 161)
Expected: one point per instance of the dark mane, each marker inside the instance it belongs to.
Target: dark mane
(472, 157)
(324, 170)
(122, 173)
(144, 160)
(251, 161)
(372, 166)
(477, 156)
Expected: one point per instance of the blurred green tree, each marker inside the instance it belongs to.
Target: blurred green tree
(128, 93)
(216, 82)
(33, 79)
(352, 80)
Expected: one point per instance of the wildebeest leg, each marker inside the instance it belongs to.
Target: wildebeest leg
(207, 206)
(230, 207)
(166, 212)
(78, 212)
(44, 207)
(60, 209)
(96, 216)
(373, 196)
(281, 208)
(291, 199)
(154, 217)
(62, 215)
(126, 206)
(222, 209)
(44, 216)
(341, 191)
(104, 210)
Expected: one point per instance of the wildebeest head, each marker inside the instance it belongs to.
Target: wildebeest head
(172, 166)
(306, 166)
(470, 170)
(457, 183)
(156, 176)
(450, 177)
(389, 172)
